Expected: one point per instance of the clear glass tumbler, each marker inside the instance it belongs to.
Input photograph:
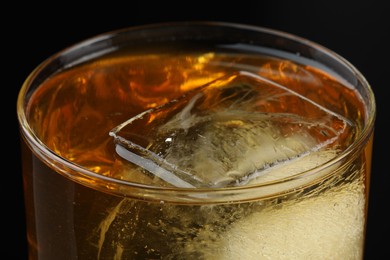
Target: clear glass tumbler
(196, 140)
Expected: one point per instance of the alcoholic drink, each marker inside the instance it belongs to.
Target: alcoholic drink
(196, 154)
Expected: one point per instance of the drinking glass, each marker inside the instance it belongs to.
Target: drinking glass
(196, 140)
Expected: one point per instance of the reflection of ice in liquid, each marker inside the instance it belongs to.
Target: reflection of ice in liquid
(226, 133)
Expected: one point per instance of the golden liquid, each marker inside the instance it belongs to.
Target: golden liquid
(72, 113)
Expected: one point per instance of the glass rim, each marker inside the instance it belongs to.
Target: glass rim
(49, 156)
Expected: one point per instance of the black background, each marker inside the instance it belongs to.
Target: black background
(357, 30)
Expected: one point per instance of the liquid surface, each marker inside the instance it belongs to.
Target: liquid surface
(208, 120)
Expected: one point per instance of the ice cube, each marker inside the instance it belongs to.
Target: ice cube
(317, 227)
(227, 132)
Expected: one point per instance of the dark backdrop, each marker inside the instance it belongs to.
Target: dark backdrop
(357, 30)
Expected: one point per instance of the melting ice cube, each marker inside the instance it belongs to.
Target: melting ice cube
(227, 133)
